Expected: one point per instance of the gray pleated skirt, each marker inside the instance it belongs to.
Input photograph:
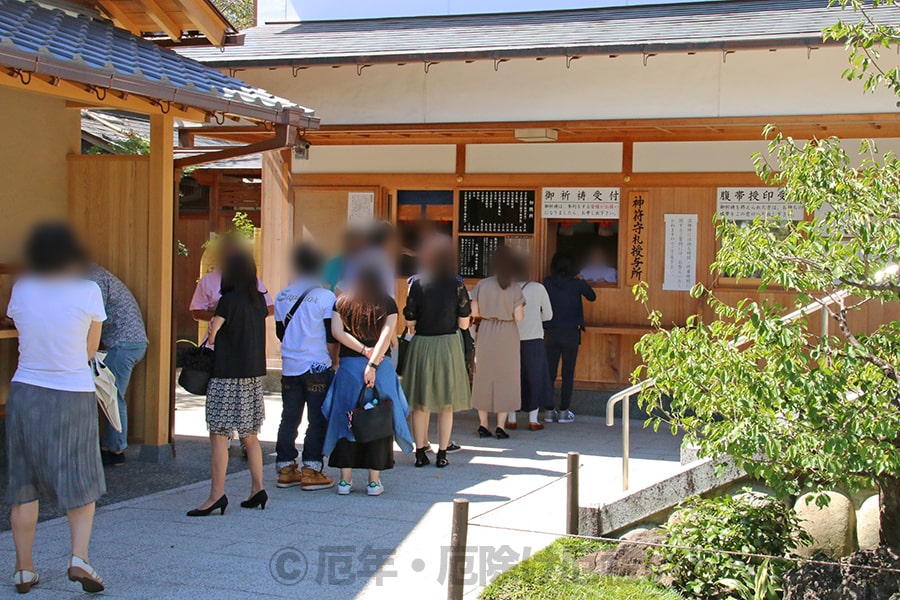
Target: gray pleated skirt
(52, 445)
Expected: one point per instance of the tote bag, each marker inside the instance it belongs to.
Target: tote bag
(196, 370)
(107, 392)
(371, 420)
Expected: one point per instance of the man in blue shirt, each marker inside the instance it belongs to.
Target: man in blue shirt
(303, 314)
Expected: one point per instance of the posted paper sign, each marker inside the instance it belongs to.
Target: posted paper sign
(747, 203)
(580, 203)
(360, 208)
(681, 252)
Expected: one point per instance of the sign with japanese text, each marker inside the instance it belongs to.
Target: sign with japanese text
(360, 208)
(747, 203)
(496, 211)
(681, 252)
(580, 203)
(636, 261)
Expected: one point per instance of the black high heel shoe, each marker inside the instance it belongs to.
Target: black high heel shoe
(501, 433)
(421, 457)
(441, 461)
(258, 499)
(220, 504)
(484, 432)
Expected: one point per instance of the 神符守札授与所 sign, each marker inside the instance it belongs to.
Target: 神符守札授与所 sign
(747, 203)
(580, 203)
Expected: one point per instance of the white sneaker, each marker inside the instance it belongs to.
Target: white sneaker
(375, 488)
(566, 417)
(551, 416)
(344, 487)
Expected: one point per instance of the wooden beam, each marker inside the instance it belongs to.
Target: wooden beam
(162, 18)
(160, 224)
(627, 157)
(81, 97)
(119, 17)
(460, 159)
(277, 220)
(205, 19)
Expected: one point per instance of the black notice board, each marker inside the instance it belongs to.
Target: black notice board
(496, 211)
(475, 252)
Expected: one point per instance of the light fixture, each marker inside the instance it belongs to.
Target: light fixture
(537, 135)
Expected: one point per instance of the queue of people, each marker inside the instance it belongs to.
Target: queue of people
(337, 323)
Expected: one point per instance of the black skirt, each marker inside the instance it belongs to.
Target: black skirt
(377, 455)
(537, 387)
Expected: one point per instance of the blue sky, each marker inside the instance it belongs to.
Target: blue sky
(294, 10)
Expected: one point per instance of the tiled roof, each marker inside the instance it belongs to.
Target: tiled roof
(727, 24)
(77, 48)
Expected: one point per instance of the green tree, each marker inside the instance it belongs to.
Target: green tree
(791, 406)
(240, 13)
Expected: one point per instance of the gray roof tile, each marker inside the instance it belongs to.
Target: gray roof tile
(49, 41)
(644, 28)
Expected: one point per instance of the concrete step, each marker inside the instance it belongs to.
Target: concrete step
(652, 504)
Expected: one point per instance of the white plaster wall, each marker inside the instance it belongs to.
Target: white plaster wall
(549, 157)
(378, 159)
(748, 83)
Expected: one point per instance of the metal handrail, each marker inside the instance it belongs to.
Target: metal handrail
(809, 309)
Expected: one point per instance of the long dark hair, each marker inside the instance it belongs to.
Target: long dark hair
(504, 266)
(239, 276)
(362, 307)
(563, 264)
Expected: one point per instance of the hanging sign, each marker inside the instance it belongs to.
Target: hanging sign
(360, 208)
(580, 203)
(747, 203)
(681, 252)
(496, 211)
(636, 261)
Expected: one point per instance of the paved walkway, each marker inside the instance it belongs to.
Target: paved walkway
(319, 545)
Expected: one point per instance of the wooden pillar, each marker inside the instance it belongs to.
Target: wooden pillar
(158, 392)
(277, 222)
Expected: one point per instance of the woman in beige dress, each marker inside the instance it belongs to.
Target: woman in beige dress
(499, 302)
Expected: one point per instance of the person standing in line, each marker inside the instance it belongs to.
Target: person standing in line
(51, 410)
(303, 316)
(537, 387)
(435, 377)
(124, 338)
(364, 321)
(562, 333)
(234, 401)
(499, 303)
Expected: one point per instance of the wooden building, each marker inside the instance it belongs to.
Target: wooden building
(54, 62)
(624, 127)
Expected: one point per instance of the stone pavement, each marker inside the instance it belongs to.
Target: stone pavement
(320, 545)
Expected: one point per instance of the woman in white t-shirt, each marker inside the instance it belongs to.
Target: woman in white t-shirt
(51, 411)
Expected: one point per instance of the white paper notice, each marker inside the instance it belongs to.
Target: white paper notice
(747, 203)
(681, 252)
(580, 203)
(360, 208)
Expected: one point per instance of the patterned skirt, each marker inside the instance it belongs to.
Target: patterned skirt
(235, 405)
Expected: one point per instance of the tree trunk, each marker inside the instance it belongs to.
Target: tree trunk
(889, 498)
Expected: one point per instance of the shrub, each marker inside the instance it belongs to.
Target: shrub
(748, 523)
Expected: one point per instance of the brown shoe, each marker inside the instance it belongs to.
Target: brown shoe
(311, 480)
(512, 425)
(535, 426)
(289, 476)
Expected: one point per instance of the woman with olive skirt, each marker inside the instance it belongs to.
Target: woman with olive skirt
(363, 322)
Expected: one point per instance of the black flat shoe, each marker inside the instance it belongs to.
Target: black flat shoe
(441, 460)
(421, 457)
(500, 433)
(258, 499)
(483, 432)
(220, 504)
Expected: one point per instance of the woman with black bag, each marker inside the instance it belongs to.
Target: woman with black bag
(364, 321)
(234, 399)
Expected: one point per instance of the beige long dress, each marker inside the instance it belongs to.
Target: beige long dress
(497, 384)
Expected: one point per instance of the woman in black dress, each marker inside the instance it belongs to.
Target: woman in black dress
(234, 401)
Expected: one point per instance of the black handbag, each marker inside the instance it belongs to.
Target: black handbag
(196, 370)
(373, 423)
(402, 353)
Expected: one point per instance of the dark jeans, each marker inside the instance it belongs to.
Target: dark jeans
(563, 344)
(298, 391)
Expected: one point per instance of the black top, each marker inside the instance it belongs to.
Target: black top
(435, 306)
(565, 298)
(390, 308)
(241, 341)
